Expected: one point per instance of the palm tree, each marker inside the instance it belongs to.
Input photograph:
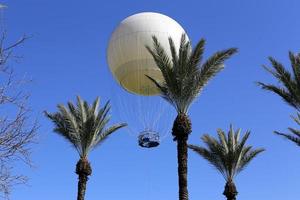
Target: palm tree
(184, 78)
(228, 155)
(84, 126)
(289, 90)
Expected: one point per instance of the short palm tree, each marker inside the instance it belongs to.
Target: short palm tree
(184, 78)
(289, 90)
(228, 155)
(84, 126)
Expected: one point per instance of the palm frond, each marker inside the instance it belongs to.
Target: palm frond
(184, 53)
(223, 140)
(173, 52)
(161, 58)
(297, 118)
(248, 157)
(244, 140)
(295, 62)
(95, 106)
(228, 154)
(294, 135)
(163, 90)
(295, 132)
(292, 138)
(213, 159)
(183, 76)
(284, 76)
(62, 129)
(100, 138)
(282, 92)
(80, 106)
(163, 63)
(83, 126)
(69, 118)
(196, 56)
(289, 89)
(213, 65)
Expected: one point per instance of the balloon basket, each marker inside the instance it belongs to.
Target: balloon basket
(148, 139)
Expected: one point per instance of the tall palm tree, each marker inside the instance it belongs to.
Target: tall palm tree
(184, 78)
(288, 90)
(228, 155)
(84, 126)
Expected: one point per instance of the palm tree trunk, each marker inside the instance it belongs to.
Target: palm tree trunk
(81, 186)
(230, 190)
(182, 127)
(83, 169)
(182, 155)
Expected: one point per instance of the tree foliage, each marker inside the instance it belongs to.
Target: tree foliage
(83, 125)
(185, 73)
(288, 89)
(228, 153)
(294, 134)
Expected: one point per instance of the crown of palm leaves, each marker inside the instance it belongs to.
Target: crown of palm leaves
(228, 154)
(288, 89)
(84, 126)
(184, 73)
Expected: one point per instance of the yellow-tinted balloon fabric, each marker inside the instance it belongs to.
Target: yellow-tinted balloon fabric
(127, 57)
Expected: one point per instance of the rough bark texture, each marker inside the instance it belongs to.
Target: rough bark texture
(230, 191)
(83, 169)
(182, 127)
(181, 131)
(182, 155)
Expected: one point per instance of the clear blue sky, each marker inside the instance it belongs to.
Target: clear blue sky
(67, 56)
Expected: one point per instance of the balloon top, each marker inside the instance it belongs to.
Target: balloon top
(129, 60)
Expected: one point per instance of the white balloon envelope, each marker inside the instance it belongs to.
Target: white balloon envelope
(127, 57)
(130, 62)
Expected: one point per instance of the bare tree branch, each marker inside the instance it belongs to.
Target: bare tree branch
(17, 130)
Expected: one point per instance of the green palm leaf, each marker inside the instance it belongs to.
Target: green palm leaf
(184, 76)
(288, 89)
(84, 126)
(294, 135)
(289, 84)
(227, 154)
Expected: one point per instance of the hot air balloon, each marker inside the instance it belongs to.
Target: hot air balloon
(130, 62)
